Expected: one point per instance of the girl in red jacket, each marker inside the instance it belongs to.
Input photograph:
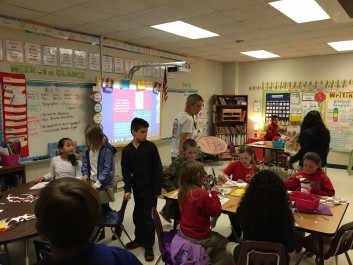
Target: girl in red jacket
(320, 183)
(196, 207)
(243, 169)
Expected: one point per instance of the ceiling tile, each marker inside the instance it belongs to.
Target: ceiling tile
(52, 19)
(19, 12)
(40, 5)
(83, 13)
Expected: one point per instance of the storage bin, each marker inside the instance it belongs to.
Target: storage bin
(278, 144)
(10, 160)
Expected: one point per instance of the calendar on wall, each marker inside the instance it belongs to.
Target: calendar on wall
(279, 104)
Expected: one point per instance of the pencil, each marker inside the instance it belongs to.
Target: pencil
(325, 218)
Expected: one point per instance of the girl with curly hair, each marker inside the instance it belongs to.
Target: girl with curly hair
(264, 214)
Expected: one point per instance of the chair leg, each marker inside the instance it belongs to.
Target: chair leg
(300, 259)
(336, 259)
(123, 228)
(348, 258)
(158, 260)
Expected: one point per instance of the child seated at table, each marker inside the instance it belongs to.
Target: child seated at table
(282, 131)
(264, 214)
(292, 146)
(67, 211)
(65, 164)
(320, 183)
(171, 177)
(241, 170)
(196, 207)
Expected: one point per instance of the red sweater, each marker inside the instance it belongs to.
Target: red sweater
(271, 131)
(238, 171)
(199, 206)
(319, 182)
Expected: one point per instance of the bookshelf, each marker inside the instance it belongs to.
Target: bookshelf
(230, 118)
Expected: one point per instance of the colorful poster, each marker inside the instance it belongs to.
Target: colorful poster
(80, 60)
(50, 56)
(93, 61)
(118, 65)
(14, 51)
(65, 57)
(33, 53)
(107, 64)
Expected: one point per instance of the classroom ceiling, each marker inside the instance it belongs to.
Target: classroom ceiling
(243, 25)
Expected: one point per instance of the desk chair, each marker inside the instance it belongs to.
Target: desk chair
(333, 246)
(281, 161)
(261, 253)
(164, 239)
(111, 219)
(42, 248)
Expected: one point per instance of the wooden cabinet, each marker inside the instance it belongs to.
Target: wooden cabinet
(12, 176)
(230, 118)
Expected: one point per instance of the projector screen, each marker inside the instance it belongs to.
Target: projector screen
(120, 106)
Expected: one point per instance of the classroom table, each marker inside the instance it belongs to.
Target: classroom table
(21, 231)
(322, 225)
(265, 145)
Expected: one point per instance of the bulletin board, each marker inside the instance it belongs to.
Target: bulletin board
(336, 109)
(339, 119)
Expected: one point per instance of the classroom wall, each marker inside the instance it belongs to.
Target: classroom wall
(206, 77)
(328, 67)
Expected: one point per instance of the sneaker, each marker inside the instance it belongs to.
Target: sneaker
(165, 216)
(149, 255)
(118, 231)
(133, 244)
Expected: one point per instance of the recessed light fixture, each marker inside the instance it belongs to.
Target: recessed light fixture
(301, 11)
(346, 45)
(185, 30)
(260, 54)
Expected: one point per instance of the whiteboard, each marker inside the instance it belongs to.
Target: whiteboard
(170, 108)
(57, 110)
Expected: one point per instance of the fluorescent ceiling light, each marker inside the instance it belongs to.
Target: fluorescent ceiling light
(186, 30)
(260, 54)
(342, 45)
(301, 11)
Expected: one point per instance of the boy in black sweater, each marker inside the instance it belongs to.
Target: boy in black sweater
(142, 172)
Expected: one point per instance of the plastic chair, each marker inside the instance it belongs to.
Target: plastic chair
(164, 238)
(333, 246)
(212, 146)
(42, 248)
(261, 253)
(232, 153)
(111, 219)
(281, 161)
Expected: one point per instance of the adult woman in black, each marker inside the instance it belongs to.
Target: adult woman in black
(313, 137)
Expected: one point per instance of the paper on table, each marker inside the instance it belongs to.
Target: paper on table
(39, 185)
(231, 183)
(223, 200)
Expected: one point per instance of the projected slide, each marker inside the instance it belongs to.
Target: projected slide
(120, 106)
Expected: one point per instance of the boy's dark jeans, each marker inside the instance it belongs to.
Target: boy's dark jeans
(144, 227)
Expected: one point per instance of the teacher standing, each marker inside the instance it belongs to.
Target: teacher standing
(313, 137)
(184, 124)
